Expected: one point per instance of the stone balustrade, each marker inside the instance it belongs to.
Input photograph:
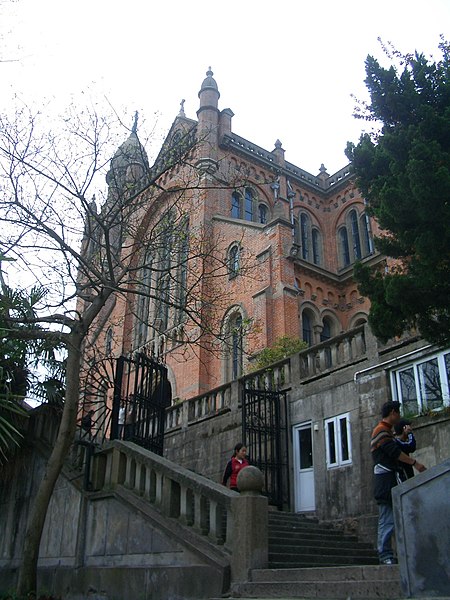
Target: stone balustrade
(337, 352)
(194, 502)
(275, 377)
(204, 406)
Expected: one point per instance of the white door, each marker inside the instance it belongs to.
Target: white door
(304, 468)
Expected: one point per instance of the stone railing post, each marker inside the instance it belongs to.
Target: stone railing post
(250, 525)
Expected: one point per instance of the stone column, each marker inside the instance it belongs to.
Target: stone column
(250, 525)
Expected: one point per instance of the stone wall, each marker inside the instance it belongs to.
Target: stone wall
(201, 436)
(86, 534)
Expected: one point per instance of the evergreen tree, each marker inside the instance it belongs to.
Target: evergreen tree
(403, 171)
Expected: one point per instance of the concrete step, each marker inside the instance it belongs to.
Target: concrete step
(283, 542)
(299, 541)
(356, 573)
(361, 582)
(320, 561)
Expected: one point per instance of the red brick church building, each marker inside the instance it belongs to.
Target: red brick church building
(260, 247)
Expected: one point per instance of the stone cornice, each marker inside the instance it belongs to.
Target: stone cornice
(297, 175)
(341, 277)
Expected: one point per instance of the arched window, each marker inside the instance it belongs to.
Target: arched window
(355, 234)
(183, 257)
(234, 260)
(248, 212)
(325, 335)
(344, 247)
(366, 234)
(304, 233)
(236, 347)
(233, 348)
(326, 330)
(316, 246)
(262, 214)
(143, 300)
(307, 330)
(236, 205)
(108, 341)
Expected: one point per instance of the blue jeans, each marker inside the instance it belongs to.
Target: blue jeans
(385, 531)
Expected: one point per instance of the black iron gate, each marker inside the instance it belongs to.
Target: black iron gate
(142, 393)
(264, 432)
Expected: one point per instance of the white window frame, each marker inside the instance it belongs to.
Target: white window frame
(415, 365)
(340, 462)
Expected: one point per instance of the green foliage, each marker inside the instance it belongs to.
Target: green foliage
(283, 347)
(403, 171)
(19, 356)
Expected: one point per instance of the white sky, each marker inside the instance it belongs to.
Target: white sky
(285, 68)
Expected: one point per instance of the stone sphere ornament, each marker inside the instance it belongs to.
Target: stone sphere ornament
(250, 480)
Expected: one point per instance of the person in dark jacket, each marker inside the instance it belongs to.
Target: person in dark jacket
(407, 442)
(237, 462)
(386, 454)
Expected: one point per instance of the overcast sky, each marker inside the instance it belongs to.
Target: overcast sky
(287, 69)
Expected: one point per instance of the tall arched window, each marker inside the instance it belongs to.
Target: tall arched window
(236, 205)
(108, 341)
(304, 232)
(248, 212)
(326, 330)
(183, 257)
(307, 328)
(143, 300)
(344, 247)
(316, 246)
(236, 347)
(233, 347)
(325, 335)
(234, 260)
(366, 234)
(355, 234)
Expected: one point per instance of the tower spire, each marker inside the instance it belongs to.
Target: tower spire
(135, 123)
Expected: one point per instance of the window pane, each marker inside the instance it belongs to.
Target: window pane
(345, 251)
(408, 391)
(355, 234)
(248, 205)
(236, 357)
(430, 383)
(307, 328)
(262, 214)
(447, 366)
(233, 264)
(305, 443)
(345, 454)
(304, 221)
(331, 443)
(367, 237)
(236, 206)
(316, 246)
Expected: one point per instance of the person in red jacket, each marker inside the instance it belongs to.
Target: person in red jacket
(234, 466)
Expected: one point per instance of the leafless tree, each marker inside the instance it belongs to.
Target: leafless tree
(92, 253)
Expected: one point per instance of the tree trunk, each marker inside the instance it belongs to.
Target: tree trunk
(27, 581)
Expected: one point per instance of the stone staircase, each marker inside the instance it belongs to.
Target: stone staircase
(298, 541)
(308, 559)
(369, 582)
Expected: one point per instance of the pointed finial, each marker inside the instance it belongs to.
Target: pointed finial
(322, 169)
(209, 73)
(181, 113)
(134, 128)
(278, 144)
